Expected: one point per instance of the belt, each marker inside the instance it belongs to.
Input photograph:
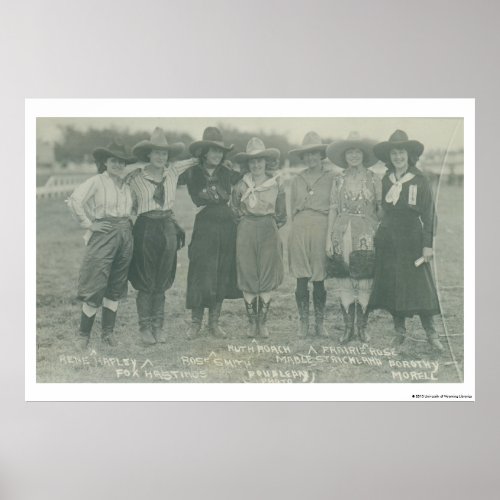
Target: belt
(116, 221)
(255, 217)
(157, 214)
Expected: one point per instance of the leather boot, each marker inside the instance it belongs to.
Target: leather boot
(108, 320)
(432, 336)
(196, 320)
(157, 317)
(361, 320)
(83, 336)
(303, 308)
(213, 321)
(348, 314)
(263, 309)
(319, 301)
(399, 329)
(251, 308)
(144, 311)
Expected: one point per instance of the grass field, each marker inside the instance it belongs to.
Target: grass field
(281, 358)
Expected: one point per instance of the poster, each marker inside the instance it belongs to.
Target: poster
(284, 366)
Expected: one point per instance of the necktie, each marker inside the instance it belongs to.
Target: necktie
(159, 194)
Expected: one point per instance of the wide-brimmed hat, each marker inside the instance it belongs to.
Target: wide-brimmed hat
(311, 143)
(257, 149)
(398, 140)
(336, 150)
(212, 136)
(114, 150)
(159, 141)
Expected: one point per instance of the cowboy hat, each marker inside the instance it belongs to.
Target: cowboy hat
(157, 141)
(310, 144)
(115, 150)
(336, 150)
(257, 149)
(398, 140)
(212, 136)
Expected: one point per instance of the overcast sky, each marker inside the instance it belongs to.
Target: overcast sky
(443, 133)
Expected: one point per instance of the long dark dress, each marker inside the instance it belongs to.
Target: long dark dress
(406, 228)
(212, 250)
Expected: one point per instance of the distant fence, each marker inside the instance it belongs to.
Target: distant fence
(60, 185)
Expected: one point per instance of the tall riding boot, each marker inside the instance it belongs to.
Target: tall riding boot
(399, 329)
(263, 309)
(303, 308)
(319, 301)
(144, 311)
(196, 320)
(348, 314)
(251, 308)
(213, 321)
(361, 320)
(432, 336)
(83, 337)
(157, 317)
(108, 320)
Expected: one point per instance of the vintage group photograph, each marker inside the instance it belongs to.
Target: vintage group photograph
(249, 249)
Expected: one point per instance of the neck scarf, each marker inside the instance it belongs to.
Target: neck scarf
(392, 195)
(252, 188)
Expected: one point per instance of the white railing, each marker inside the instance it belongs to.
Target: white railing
(60, 185)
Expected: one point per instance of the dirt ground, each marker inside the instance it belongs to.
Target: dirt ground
(282, 358)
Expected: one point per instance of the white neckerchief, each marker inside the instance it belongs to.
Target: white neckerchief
(392, 195)
(252, 188)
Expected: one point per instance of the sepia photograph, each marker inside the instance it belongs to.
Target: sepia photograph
(183, 250)
(256, 239)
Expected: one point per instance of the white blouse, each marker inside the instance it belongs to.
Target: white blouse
(99, 197)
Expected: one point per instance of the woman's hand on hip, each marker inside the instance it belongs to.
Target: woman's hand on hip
(101, 227)
(427, 254)
(329, 246)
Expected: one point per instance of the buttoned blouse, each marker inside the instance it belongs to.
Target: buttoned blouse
(313, 196)
(99, 197)
(208, 189)
(143, 186)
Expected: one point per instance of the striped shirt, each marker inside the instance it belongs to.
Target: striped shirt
(99, 197)
(143, 187)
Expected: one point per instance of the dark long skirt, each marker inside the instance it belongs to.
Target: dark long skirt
(106, 263)
(399, 287)
(154, 262)
(212, 258)
(259, 255)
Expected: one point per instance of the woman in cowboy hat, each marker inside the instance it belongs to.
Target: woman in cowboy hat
(310, 203)
(404, 238)
(212, 251)
(103, 205)
(260, 205)
(352, 222)
(157, 236)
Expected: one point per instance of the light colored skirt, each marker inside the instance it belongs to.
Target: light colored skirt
(349, 290)
(306, 245)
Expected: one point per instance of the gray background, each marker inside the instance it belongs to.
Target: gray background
(254, 48)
